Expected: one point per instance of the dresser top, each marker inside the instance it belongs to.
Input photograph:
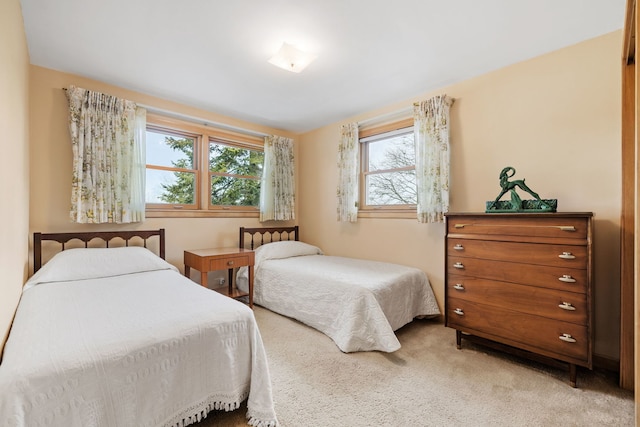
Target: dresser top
(524, 214)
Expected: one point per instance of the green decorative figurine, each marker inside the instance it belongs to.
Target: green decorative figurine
(516, 204)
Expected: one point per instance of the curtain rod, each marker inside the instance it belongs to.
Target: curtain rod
(392, 115)
(199, 120)
(398, 114)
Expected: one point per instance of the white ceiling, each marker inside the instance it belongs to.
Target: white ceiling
(212, 54)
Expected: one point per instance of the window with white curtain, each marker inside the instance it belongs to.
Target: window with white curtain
(404, 165)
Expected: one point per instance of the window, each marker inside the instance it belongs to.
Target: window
(234, 175)
(195, 170)
(388, 179)
(171, 168)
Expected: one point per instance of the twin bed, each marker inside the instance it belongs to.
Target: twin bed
(357, 303)
(117, 337)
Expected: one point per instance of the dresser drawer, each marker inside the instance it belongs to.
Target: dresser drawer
(531, 332)
(550, 303)
(229, 262)
(565, 279)
(530, 253)
(514, 225)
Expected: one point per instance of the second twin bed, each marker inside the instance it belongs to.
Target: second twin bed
(357, 303)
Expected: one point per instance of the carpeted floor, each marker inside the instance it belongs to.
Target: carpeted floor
(428, 382)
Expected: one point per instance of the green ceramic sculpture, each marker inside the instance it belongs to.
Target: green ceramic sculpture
(516, 204)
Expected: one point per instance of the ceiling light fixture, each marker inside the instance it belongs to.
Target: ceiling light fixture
(291, 58)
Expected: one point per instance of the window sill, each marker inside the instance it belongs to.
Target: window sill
(192, 213)
(388, 213)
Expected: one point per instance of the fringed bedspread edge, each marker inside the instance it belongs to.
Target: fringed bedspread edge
(198, 412)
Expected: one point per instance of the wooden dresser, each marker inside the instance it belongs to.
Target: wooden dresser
(524, 280)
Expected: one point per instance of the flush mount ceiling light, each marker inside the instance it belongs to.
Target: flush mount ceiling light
(291, 59)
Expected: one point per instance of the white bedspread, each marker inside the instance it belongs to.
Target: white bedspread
(139, 349)
(357, 303)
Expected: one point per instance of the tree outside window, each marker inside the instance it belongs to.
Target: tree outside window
(171, 171)
(232, 171)
(389, 169)
(234, 175)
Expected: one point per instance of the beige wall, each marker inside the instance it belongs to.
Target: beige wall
(51, 161)
(555, 118)
(14, 174)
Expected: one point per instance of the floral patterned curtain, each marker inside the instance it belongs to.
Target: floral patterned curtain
(277, 190)
(107, 139)
(431, 135)
(348, 169)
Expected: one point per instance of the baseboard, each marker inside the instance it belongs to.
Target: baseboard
(438, 318)
(606, 362)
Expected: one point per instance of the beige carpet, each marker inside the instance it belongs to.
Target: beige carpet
(428, 382)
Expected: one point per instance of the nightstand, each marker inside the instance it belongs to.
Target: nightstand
(214, 259)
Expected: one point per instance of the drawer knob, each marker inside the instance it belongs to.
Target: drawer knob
(458, 265)
(458, 247)
(567, 278)
(567, 255)
(458, 287)
(229, 263)
(567, 338)
(567, 306)
(459, 312)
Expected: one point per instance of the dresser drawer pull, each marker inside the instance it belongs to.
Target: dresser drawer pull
(460, 225)
(458, 287)
(458, 265)
(567, 278)
(459, 312)
(567, 306)
(229, 263)
(567, 338)
(567, 228)
(567, 255)
(458, 247)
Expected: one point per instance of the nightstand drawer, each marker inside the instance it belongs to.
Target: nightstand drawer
(229, 262)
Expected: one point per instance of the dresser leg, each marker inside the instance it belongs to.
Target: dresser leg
(572, 375)
(458, 339)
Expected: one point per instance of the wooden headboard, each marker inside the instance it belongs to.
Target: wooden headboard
(86, 237)
(262, 235)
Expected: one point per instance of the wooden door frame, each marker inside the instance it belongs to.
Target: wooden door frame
(628, 217)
